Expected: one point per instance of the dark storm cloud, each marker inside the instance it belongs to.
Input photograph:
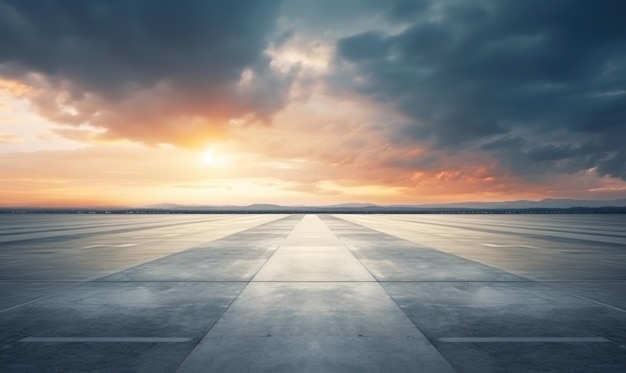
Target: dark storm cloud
(614, 166)
(540, 84)
(198, 49)
(422, 162)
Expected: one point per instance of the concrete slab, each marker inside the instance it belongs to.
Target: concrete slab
(287, 326)
(112, 310)
(313, 265)
(237, 257)
(312, 253)
(297, 294)
(514, 326)
(62, 255)
(330, 327)
(389, 258)
(539, 247)
(16, 293)
(609, 293)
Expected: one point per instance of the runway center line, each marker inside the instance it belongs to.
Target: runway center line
(498, 245)
(601, 304)
(105, 245)
(24, 304)
(105, 339)
(524, 340)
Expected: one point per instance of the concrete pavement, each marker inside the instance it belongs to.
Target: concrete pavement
(309, 293)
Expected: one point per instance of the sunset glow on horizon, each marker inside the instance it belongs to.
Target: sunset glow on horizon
(310, 102)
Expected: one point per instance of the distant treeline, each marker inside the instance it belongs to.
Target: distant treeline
(325, 210)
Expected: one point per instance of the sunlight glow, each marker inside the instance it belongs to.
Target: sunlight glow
(210, 158)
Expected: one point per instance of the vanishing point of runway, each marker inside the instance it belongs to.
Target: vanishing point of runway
(313, 293)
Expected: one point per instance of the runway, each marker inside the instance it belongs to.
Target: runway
(313, 293)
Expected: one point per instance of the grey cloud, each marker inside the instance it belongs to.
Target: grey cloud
(363, 47)
(508, 142)
(406, 10)
(475, 75)
(114, 49)
(551, 152)
(106, 44)
(424, 162)
(536, 158)
(614, 166)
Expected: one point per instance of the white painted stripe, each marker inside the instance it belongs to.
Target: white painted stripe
(24, 304)
(120, 245)
(105, 339)
(601, 304)
(498, 245)
(524, 340)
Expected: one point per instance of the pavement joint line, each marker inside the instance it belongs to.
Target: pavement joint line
(522, 277)
(104, 340)
(507, 246)
(36, 281)
(568, 281)
(26, 303)
(494, 230)
(162, 281)
(114, 231)
(317, 281)
(522, 281)
(86, 226)
(274, 249)
(297, 281)
(119, 246)
(601, 304)
(102, 277)
(388, 294)
(523, 340)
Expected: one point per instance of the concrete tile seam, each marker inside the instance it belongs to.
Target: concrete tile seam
(522, 278)
(103, 277)
(394, 299)
(524, 340)
(26, 303)
(122, 245)
(458, 281)
(104, 340)
(162, 281)
(314, 281)
(274, 249)
(289, 217)
(123, 230)
(581, 281)
(43, 281)
(601, 304)
(536, 234)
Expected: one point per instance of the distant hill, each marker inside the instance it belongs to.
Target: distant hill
(548, 203)
(175, 206)
(545, 206)
(352, 205)
(524, 204)
(520, 204)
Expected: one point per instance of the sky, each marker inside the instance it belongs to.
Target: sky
(299, 102)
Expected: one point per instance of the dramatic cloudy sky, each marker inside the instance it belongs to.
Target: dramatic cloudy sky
(311, 102)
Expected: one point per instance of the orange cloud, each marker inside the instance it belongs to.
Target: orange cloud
(9, 137)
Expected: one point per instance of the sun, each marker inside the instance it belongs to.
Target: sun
(211, 158)
(208, 158)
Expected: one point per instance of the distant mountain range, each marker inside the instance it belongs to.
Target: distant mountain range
(521, 204)
(549, 205)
